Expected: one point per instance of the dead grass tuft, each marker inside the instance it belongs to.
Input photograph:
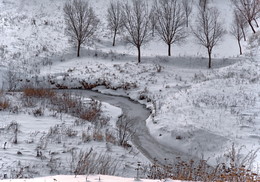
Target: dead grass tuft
(98, 136)
(201, 171)
(38, 93)
(4, 104)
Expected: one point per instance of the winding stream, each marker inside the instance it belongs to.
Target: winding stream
(138, 114)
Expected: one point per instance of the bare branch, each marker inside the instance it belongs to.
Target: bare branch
(249, 9)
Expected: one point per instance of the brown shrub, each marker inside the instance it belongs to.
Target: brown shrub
(4, 104)
(39, 93)
(110, 138)
(66, 103)
(97, 135)
(201, 171)
(91, 113)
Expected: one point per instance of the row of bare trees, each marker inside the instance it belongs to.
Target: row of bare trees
(168, 18)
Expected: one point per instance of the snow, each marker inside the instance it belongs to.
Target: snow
(200, 112)
(91, 178)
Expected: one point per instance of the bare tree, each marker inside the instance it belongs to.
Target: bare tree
(114, 18)
(208, 30)
(249, 9)
(236, 30)
(187, 7)
(137, 24)
(170, 22)
(81, 22)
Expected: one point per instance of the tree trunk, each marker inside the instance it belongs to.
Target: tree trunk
(256, 23)
(209, 53)
(78, 52)
(169, 49)
(240, 48)
(244, 34)
(187, 20)
(114, 39)
(139, 54)
(252, 27)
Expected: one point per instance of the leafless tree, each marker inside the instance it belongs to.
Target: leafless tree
(81, 22)
(250, 9)
(208, 30)
(170, 22)
(114, 18)
(187, 7)
(137, 24)
(236, 30)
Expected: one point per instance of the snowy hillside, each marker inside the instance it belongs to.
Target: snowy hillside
(196, 112)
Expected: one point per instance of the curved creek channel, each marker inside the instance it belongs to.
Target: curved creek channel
(141, 137)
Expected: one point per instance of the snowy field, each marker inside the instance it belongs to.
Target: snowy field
(199, 111)
(90, 178)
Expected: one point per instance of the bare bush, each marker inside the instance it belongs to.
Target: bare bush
(92, 113)
(124, 127)
(74, 105)
(38, 112)
(20, 170)
(234, 169)
(89, 162)
(14, 126)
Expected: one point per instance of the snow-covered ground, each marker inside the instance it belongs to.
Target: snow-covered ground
(198, 111)
(91, 178)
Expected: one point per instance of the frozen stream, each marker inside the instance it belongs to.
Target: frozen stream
(141, 138)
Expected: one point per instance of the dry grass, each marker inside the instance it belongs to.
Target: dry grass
(201, 171)
(38, 93)
(110, 138)
(98, 136)
(89, 162)
(4, 104)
